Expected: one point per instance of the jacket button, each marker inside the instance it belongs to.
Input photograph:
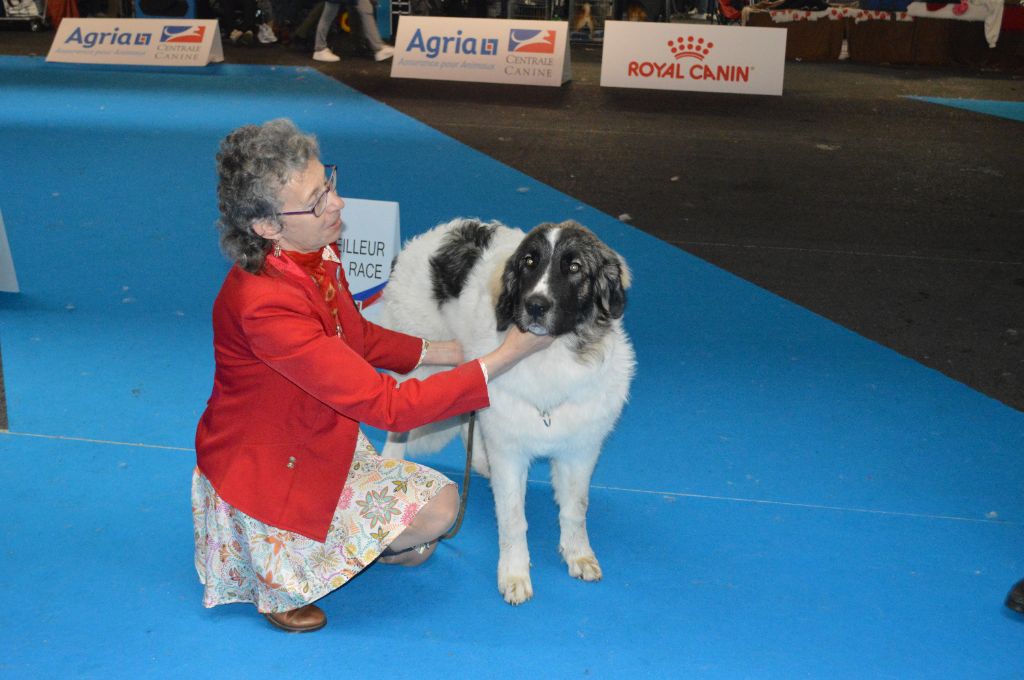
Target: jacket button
(291, 461)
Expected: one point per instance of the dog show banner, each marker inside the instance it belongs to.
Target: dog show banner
(697, 57)
(137, 42)
(505, 51)
(370, 240)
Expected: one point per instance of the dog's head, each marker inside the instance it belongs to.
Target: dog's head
(562, 279)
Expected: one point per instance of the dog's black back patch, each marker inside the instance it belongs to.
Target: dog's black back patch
(460, 249)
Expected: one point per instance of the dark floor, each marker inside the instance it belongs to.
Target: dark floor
(898, 219)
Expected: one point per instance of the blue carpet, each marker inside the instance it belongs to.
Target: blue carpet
(1011, 110)
(782, 498)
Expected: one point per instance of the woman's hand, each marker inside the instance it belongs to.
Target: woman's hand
(522, 343)
(517, 346)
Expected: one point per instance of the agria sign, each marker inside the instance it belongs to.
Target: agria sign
(143, 42)
(519, 40)
(482, 50)
(457, 44)
(117, 37)
(91, 39)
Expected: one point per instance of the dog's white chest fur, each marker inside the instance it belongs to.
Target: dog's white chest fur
(552, 401)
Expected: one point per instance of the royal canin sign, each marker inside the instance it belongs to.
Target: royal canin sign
(707, 58)
(688, 54)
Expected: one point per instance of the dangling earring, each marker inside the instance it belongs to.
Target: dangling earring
(277, 249)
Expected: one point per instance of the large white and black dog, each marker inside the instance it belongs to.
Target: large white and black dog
(471, 280)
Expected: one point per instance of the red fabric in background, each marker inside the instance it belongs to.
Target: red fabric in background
(58, 9)
(1013, 18)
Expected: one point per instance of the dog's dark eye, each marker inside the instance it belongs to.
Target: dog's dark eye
(529, 262)
(575, 267)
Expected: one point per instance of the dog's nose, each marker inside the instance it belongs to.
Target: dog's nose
(537, 306)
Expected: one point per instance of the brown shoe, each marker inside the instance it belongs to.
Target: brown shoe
(302, 620)
(1015, 598)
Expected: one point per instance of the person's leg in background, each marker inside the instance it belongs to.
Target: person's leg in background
(90, 8)
(243, 32)
(266, 32)
(321, 52)
(365, 10)
(304, 34)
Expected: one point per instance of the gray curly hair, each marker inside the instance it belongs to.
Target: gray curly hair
(253, 165)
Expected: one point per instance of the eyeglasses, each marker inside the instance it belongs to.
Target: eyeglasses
(321, 202)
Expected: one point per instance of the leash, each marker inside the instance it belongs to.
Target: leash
(465, 482)
(463, 498)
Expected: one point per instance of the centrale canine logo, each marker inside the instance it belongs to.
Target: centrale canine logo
(182, 34)
(528, 40)
(690, 47)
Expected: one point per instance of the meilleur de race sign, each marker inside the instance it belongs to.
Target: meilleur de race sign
(482, 50)
(137, 42)
(698, 57)
(370, 241)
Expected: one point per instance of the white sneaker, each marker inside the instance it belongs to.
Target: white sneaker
(384, 53)
(325, 55)
(266, 34)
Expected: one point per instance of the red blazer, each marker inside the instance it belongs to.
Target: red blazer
(289, 392)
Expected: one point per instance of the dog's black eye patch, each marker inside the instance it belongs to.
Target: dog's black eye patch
(571, 262)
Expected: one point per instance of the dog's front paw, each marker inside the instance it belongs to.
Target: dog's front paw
(515, 589)
(585, 567)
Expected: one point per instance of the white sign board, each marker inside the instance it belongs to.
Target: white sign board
(664, 56)
(482, 50)
(370, 240)
(137, 42)
(8, 277)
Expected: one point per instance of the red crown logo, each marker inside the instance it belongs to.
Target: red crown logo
(690, 47)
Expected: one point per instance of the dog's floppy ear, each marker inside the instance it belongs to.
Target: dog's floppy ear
(505, 308)
(613, 278)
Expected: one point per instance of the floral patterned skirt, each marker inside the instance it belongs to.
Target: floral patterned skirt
(240, 559)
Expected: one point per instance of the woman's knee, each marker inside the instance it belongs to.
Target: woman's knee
(438, 515)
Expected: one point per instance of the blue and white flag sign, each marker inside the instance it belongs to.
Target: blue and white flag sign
(482, 50)
(370, 240)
